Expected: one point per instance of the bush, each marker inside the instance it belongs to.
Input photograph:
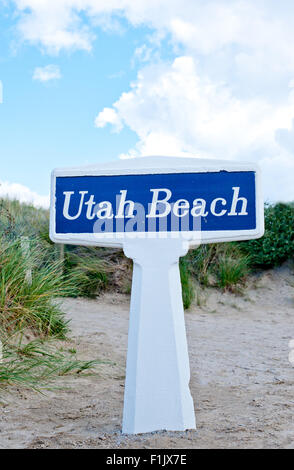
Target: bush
(89, 270)
(218, 265)
(30, 281)
(232, 271)
(202, 261)
(30, 304)
(277, 244)
(36, 364)
(18, 219)
(188, 293)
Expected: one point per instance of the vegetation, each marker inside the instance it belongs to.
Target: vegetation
(27, 303)
(31, 281)
(277, 244)
(219, 265)
(188, 291)
(37, 363)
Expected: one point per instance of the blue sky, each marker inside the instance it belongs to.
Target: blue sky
(86, 81)
(49, 124)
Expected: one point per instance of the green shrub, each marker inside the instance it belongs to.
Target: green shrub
(188, 292)
(231, 271)
(37, 363)
(25, 304)
(91, 272)
(18, 219)
(277, 244)
(218, 265)
(202, 261)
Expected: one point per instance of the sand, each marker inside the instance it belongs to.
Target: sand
(242, 382)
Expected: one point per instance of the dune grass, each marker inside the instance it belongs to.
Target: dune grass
(31, 284)
(219, 265)
(30, 304)
(37, 363)
(188, 291)
(232, 272)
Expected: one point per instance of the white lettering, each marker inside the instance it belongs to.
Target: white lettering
(90, 205)
(235, 201)
(104, 210)
(155, 201)
(199, 206)
(213, 204)
(122, 204)
(181, 207)
(68, 195)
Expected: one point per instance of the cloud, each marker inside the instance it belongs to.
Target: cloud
(203, 26)
(227, 92)
(201, 115)
(47, 73)
(22, 194)
(53, 24)
(285, 137)
(174, 110)
(108, 116)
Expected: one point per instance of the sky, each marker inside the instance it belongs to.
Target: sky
(90, 81)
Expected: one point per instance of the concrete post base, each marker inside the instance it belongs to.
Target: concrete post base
(157, 395)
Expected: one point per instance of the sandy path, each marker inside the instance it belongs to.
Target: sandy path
(241, 381)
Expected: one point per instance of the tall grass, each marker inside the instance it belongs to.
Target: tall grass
(232, 272)
(188, 291)
(91, 271)
(219, 265)
(29, 308)
(31, 305)
(31, 281)
(38, 363)
(17, 219)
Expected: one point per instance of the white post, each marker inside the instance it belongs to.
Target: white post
(157, 394)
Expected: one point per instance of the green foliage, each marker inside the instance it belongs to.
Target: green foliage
(201, 261)
(25, 304)
(277, 244)
(32, 278)
(232, 271)
(36, 363)
(188, 292)
(218, 265)
(90, 271)
(17, 219)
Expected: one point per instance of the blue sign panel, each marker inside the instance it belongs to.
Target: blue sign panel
(207, 201)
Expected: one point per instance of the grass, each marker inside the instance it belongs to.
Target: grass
(188, 292)
(232, 272)
(25, 304)
(38, 363)
(29, 306)
(31, 282)
(220, 265)
(18, 219)
(91, 272)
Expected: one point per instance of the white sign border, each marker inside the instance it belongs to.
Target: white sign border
(158, 165)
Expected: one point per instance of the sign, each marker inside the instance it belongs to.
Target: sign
(207, 200)
(155, 208)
